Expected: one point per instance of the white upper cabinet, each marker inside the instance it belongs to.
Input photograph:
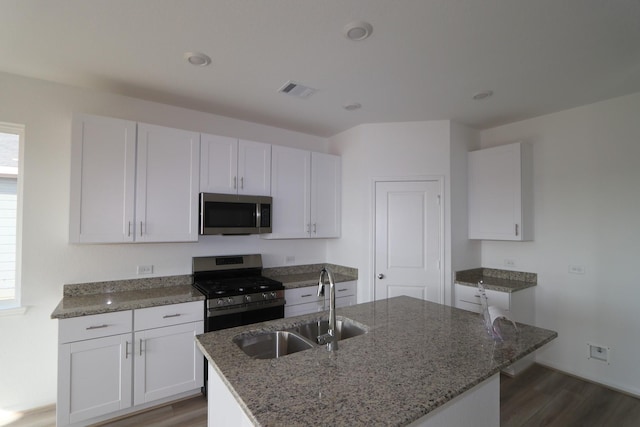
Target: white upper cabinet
(501, 193)
(103, 156)
(306, 191)
(132, 182)
(232, 166)
(167, 184)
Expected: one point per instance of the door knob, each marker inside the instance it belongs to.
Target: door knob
(380, 276)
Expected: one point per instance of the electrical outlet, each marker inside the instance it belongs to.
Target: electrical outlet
(509, 262)
(598, 352)
(289, 259)
(576, 269)
(145, 269)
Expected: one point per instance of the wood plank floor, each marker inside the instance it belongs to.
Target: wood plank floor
(537, 397)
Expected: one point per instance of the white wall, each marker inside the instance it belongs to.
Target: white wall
(386, 150)
(28, 343)
(587, 205)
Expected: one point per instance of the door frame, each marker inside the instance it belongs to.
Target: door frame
(372, 244)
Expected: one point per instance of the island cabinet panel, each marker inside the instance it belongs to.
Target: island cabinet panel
(132, 182)
(223, 409)
(114, 363)
(500, 191)
(306, 188)
(233, 166)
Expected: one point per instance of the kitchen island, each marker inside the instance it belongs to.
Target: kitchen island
(415, 357)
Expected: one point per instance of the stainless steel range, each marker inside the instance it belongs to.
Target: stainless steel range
(237, 293)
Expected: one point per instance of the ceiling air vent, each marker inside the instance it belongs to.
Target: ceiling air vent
(297, 90)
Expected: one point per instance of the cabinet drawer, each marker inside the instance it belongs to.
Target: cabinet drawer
(344, 289)
(468, 298)
(167, 315)
(95, 326)
(302, 295)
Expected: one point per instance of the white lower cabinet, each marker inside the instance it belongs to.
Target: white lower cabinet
(101, 374)
(306, 300)
(520, 304)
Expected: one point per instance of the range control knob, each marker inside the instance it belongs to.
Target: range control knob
(273, 295)
(247, 298)
(229, 300)
(265, 295)
(220, 301)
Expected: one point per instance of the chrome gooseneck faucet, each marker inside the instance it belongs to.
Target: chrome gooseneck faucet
(330, 337)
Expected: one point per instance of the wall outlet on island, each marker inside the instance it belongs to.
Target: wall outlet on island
(289, 259)
(145, 269)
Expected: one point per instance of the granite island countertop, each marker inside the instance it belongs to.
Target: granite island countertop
(416, 356)
(85, 299)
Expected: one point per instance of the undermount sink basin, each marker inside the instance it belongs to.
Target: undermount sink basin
(273, 344)
(270, 345)
(344, 329)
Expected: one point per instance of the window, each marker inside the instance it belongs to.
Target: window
(11, 141)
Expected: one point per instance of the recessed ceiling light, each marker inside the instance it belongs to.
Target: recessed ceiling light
(358, 30)
(482, 95)
(353, 106)
(198, 59)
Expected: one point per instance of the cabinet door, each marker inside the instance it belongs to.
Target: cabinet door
(168, 169)
(254, 168)
(291, 192)
(102, 179)
(326, 184)
(499, 185)
(94, 378)
(218, 164)
(167, 362)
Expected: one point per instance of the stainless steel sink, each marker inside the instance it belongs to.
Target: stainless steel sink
(344, 329)
(270, 345)
(273, 344)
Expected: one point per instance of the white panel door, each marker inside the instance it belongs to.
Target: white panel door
(168, 170)
(254, 168)
(94, 378)
(408, 243)
(103, 152)
(218, 164)
(167, 362)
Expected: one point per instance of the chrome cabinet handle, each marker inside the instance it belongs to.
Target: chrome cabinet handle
(306, 295)
(516, 229)
(315, 228)
(242, 183)
(129, 230)
(166, 316)
(141, 228)
(97, 327)
(126, 350)
(341, 290)
(140, 346)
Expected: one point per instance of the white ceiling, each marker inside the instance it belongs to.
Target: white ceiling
(424, 60)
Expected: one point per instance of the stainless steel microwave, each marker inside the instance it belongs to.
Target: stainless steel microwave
(234, 214)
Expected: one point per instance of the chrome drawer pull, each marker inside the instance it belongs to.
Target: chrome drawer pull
(166, 316)
(126, 350)
(342, 290)
(97, 327)
(306, 295)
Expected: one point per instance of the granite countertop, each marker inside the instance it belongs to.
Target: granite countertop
(416, 356)
(307, 275)
(497, 280)
(85, 299)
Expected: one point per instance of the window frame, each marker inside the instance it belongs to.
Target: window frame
(14, 305)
